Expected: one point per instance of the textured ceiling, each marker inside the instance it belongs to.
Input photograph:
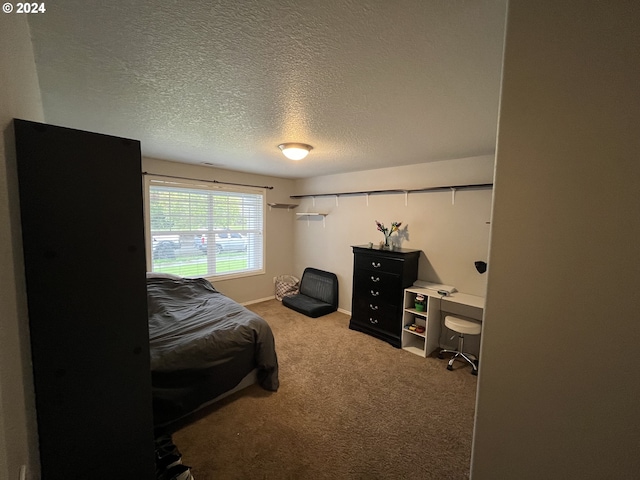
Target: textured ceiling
(369, 84)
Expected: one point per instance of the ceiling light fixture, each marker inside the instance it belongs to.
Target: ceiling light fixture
(295, 151)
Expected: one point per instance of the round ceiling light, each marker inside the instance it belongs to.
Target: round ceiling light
(295, 151)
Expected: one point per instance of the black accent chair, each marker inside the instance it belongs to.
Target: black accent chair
(318, 294)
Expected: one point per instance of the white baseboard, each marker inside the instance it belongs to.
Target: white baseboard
(258, 300)
(341, 310)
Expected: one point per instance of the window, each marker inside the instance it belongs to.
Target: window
(199, 229)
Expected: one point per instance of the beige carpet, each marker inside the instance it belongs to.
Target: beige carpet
(349, 407)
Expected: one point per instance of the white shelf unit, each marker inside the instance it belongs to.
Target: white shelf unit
(423, 344)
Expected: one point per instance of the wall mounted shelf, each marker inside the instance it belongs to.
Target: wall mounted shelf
(288, 206)
(312, 214)
(475, 186)
(451, 188)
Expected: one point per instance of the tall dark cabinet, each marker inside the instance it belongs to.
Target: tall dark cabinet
(83, 238)
(379, 280)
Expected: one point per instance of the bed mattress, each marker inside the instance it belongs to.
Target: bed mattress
(202, 345)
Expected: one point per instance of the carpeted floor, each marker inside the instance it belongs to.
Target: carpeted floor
(349, 407)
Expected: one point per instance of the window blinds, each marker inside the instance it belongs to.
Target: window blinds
(205, 230)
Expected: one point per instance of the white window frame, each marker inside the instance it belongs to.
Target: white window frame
(157, 180)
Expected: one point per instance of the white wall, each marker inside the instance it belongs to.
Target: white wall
(451, 237)
(559, 381)
(19, 98)
(279, 235)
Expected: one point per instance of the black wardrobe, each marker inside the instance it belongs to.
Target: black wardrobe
(83, 238)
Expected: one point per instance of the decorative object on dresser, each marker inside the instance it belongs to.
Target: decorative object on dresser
(379, 280)
(387, 245)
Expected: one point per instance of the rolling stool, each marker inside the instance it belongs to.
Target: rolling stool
(463, 327)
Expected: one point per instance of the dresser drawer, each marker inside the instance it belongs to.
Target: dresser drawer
(385, 324)
(369, 306)
(379, 263)
(382, 287)
(377, 279)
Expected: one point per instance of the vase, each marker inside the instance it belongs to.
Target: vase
(419, 307)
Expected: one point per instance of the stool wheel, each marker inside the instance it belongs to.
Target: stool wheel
(440, 356)
(474, 372)
(450, 368)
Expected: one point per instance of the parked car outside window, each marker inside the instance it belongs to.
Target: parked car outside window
(165, 246)
(225, 242)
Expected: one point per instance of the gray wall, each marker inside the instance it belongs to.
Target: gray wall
(559, 380)
(452, 236)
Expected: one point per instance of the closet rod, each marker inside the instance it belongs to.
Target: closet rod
(411, 190)
(208, 181)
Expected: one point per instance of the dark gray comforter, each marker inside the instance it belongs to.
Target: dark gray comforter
(202, 345)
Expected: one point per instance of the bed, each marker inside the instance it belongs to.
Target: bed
(204, 346)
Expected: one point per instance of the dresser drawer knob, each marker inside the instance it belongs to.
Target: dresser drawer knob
(375, 294)
(373, 320)
(373, 307)
(375, 265)
(375, 279)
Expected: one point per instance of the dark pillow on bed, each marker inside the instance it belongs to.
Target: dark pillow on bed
(163, 275)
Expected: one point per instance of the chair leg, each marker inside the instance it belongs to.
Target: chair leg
(441, 352)
(460, 355)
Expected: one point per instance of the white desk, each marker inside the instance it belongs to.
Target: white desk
(463, 304)
(424, 344)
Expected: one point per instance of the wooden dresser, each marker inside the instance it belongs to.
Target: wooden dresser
(379, 280)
